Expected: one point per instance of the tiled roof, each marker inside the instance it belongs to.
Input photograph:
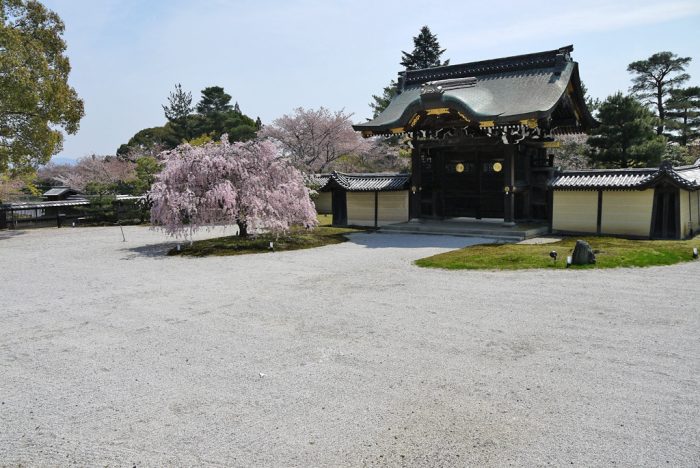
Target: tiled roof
(380, 182)
(622, 178)
(44, 204)
(58, 191)
(502, 91)
(502, 65)
(687, 177)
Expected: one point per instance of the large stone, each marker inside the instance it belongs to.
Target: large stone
(583, 254)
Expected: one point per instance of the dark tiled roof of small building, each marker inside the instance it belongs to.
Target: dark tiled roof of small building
(72, 201)
(491, 92)
(687, 177)
(58, 191)
(380, 182)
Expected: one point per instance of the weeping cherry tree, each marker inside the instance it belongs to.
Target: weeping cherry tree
(220, 184)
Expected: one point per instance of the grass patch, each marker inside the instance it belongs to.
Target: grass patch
(610, 253)
(297, 238)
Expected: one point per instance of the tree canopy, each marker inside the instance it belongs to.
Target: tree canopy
(36, 101)
(683, 114)
(214, 117)
(214, 100)
(625, 137)
(226, 184)
(178, 109)
(379, 103)
(655, 77)
(426, 52)
(314, 139)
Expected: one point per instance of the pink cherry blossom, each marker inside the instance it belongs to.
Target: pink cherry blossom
(221, 184)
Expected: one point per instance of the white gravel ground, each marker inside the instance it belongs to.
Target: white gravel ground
(346, 355)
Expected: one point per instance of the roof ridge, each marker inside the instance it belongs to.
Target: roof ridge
(372, 174)
(548, 58)
(611, 170)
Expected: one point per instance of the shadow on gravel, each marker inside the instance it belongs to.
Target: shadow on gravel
(413, 241)
(150, 250)
(10, 234)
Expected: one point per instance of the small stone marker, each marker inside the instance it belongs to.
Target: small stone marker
(583, 254)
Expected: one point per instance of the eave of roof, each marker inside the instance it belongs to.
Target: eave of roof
(44, 204)
(686, 177)
(58, 191)
(361, 182)
(521, 89)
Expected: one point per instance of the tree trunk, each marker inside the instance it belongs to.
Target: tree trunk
(660, 105)
(242, 228)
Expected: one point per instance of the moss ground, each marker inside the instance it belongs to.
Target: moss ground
(610, 253)
(297, 238)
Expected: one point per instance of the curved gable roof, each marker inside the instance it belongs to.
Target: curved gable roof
(519, 89)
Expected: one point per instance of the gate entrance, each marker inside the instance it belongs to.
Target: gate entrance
(463, 184)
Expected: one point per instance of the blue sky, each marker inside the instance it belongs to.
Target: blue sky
(273, 56)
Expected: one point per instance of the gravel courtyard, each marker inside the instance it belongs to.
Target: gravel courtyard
(347, 355)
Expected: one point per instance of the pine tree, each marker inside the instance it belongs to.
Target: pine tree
(258, 123)
(381, 102)
(625, 137)
(237, 108)
(214, 99)
(683, 115)
(654, 79)
(426, 52)
(178, 109)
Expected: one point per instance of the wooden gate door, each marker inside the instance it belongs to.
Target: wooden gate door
(340, 207)
(665, 219)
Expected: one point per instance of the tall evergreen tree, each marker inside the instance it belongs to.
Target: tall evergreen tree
(379, 103)
(214, 99)
(625, 137)
(215, 116)
(655, 77)
(178, 110)
(683, 114)
(426, 52)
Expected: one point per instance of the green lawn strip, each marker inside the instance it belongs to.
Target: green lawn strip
(610, 253)
(297, 238)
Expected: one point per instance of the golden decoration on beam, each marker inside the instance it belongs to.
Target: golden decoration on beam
(397, 130)
(438, 111)
(367, 133)
(464, 117)
(487, 124)
(531, 123)
(414, 120)
(497, 167)
(551, 144)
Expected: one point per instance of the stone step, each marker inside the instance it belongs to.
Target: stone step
(503, 233)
